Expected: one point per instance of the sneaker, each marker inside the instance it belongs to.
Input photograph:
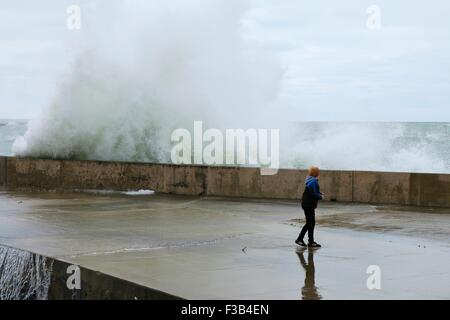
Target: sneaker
(314, 245)
(301, 243)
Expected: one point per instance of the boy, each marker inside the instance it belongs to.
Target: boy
(311, 197)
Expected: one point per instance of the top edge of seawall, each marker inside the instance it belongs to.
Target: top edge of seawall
(202, 166)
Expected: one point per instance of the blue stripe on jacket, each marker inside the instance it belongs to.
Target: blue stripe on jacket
(313, 184)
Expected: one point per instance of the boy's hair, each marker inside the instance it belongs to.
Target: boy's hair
(314, 171)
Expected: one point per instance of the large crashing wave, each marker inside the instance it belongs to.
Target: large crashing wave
(149, 67)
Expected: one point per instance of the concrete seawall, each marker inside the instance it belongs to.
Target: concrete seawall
(345, 186)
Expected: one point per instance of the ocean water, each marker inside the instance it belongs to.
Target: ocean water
(397, 147)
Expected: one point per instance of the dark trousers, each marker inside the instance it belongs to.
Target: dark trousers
(310, 214)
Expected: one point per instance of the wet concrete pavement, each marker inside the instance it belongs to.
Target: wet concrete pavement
(215, 248)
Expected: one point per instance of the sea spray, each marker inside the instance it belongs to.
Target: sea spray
(23, 275)
(407, 147)
(149, 67)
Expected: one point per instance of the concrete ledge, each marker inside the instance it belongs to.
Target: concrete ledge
(23, 266)
(96, 285)
(345, 186)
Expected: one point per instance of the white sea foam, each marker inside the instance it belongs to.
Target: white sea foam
(140, 193)
(370, 146)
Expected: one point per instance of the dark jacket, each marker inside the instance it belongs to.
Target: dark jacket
(312, 193)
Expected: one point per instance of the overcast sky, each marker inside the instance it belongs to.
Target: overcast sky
(336, 67)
